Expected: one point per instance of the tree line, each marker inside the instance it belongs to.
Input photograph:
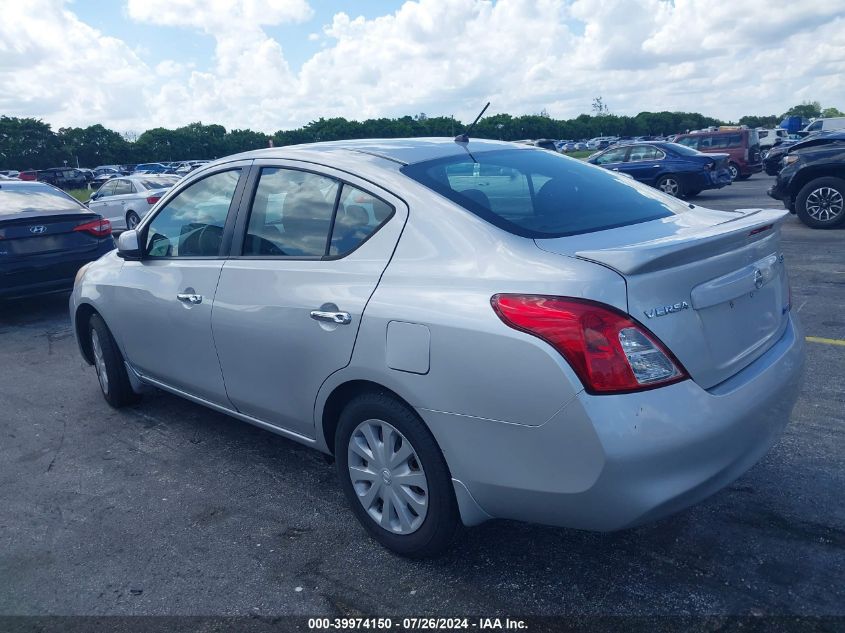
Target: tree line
(28, 143)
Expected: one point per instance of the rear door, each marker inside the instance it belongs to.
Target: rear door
(309, 251)
(164, 302)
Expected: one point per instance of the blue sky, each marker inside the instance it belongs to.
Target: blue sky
(137, 64)
(158, 43)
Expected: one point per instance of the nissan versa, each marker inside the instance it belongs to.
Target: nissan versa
(473, 330)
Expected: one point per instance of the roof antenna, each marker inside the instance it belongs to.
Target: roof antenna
(464, 136)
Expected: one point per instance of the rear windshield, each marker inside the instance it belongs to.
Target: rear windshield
(158, 183)
(16, 198)
(540, 194)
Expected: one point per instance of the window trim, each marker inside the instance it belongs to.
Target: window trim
(244, 214)
(231, 214)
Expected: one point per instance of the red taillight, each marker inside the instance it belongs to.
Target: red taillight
(607, 349)
(153, 199)
(98, 228)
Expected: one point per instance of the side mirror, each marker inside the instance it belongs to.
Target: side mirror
(128, 247)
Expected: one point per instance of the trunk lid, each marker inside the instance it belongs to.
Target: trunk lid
(711, 285)
(45, 234)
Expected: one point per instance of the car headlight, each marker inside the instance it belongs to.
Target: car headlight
(789, 159)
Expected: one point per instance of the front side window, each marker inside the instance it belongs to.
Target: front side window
(191, 225)
(616, 155)
(106, 190)
(815, 126)
(291, 214)
(540, 194)
(122, 187)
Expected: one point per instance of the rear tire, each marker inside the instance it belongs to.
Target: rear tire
(132, 220)
(397, 468)
(821, 203)
(108, 362)
(671, 185)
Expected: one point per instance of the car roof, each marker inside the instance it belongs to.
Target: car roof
(404, 151)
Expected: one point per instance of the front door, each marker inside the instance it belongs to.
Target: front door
(164, 302)
(312, 249)
(645, 163)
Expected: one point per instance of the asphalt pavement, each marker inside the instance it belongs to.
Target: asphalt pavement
(169, 508)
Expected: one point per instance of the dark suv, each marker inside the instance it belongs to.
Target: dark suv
(743, 145)
(811, 182)
(63, 177)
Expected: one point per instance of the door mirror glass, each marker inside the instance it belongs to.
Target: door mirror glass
(128, 246)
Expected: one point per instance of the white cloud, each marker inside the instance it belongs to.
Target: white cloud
(436, 56)
(54, 66)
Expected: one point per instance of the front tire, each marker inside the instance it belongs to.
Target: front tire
(670, 184)
(734, 169)
(821, 203)
(395, 477)
(108, 362)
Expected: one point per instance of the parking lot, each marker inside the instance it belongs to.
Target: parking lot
(169, 508)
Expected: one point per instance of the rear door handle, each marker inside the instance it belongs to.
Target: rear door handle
(340, 318)
(185, 297)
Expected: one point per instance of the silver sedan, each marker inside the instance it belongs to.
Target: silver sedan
(124, 201)
(473, 330)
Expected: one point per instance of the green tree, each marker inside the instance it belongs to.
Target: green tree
(808, 110)
(28, 144)
(832, 112)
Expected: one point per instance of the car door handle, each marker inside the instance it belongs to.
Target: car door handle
(615, 169)
(186, 297)
(341, 318)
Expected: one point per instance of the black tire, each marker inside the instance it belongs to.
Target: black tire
(132, 220)
(442, 519)
(663, 183)
(734, 169)
(116, 389)
(833, 184)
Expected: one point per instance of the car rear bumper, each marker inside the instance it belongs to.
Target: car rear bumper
(611, 462)
(37, 275)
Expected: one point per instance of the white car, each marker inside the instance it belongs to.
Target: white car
(124, 201)
(768, 137)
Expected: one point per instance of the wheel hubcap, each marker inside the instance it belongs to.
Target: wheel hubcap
(387, 477)
(734, 172)
(99, 361)
(670, 186)
(825, 204)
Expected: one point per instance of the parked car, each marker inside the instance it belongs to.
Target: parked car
(104, 174)
(544, 143)
(126, 200)
(88, 174)
(811, 182)
(9, 173)
(824, 125)
(62, 177)
(4, 177)
(320, 293)
(770, 137)
(45, 237)
(674, 169)
(742, 145)
(28, 174)
(149, 168)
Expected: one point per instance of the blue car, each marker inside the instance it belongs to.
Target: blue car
(674, 169)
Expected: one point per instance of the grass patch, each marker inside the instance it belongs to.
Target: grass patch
(580, 155)
(81, 194)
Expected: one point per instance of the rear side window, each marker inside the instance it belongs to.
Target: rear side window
(359, 215)
(539, 194)
(291, 214)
